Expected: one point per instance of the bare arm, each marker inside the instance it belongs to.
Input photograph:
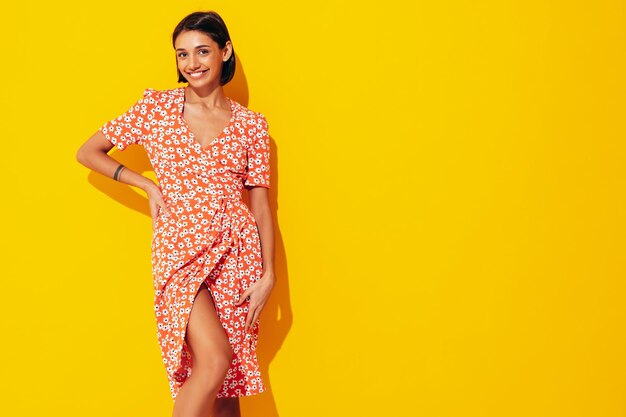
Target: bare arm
(94, 155)
(260, 208)
(260, 291)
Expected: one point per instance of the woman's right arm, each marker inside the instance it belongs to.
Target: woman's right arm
(94, 154)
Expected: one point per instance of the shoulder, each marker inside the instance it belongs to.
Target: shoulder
(251, 118)
(161, 96)
(160, 102)
(251, 122)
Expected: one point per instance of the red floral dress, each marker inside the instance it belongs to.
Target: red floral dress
(211, 236)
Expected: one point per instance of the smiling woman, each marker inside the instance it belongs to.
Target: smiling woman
(199, 28)
(211, 278)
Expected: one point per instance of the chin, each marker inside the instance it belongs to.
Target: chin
(201, 83)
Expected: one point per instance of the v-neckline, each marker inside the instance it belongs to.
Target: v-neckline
(192, 137)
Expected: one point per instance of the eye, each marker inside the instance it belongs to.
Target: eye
(203, 51)
(182, 54)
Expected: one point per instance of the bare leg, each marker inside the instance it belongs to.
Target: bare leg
(227, 407)
(211, 354)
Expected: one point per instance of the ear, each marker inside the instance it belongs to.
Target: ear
(228, 51)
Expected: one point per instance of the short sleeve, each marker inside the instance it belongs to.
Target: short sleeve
(132, 126)
(258, 168)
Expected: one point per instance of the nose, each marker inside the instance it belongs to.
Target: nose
(193, 62)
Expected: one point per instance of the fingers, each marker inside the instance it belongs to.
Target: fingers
(253, 309)
(156, 209)
(160, 205)
(242, 297)
(252, 318)
(253, 315)
(164, 206)
(155, 198)
(256, 305)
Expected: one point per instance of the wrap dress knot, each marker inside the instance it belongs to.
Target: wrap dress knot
(210, 237)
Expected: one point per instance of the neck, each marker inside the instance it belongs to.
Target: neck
(209, 96)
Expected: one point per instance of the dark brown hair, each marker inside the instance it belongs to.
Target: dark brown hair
(212, 24)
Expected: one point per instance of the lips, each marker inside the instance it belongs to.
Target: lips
(196, 74)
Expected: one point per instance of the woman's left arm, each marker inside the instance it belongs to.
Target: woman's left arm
(260, 291)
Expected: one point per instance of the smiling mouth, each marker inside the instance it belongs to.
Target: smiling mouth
(196, 74)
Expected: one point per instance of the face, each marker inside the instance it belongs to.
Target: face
(200, 59)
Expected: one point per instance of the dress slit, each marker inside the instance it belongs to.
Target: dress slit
(185, 360)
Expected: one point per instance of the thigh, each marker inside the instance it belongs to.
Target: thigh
(206, 338)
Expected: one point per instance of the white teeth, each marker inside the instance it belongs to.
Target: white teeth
(197, 74)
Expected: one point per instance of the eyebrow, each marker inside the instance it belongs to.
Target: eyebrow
(199, 46)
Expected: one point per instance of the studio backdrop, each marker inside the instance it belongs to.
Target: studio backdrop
(447, 183)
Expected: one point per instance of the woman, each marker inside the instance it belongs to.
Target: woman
(204, 148)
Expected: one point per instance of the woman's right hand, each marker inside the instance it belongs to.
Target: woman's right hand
(155, 200)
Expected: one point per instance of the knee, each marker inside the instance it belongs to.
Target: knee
(212, 371)
(222, 361)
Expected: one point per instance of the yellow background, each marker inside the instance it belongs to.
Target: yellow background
(448, 184)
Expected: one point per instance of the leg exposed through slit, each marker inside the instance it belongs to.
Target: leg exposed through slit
(206, 338)
(211, 355)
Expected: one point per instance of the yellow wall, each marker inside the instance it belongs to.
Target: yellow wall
(448, 183)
